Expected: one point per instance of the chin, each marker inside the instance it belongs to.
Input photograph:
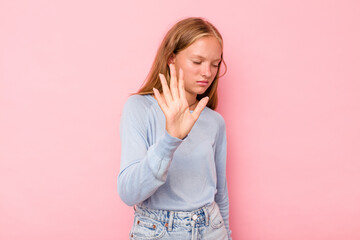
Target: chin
(201, 91)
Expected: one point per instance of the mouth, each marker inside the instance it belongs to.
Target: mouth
(203, 83)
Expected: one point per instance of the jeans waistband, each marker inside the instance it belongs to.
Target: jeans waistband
(192, 219)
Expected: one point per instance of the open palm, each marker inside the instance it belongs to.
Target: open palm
(173, 103)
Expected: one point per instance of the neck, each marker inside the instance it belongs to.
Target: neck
(191, 99)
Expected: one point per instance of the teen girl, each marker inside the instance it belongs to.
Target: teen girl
(173, 157)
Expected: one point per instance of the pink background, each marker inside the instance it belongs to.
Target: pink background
(290, 100)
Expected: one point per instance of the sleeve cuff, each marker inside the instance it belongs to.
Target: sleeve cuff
(167, 146)
(161, 155)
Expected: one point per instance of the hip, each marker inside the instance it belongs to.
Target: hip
(202, 223)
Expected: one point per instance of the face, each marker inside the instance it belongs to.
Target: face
(200, 63)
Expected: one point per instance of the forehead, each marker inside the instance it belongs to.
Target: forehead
(206, 47)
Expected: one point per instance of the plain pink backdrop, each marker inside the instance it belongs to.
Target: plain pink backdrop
(290, 100)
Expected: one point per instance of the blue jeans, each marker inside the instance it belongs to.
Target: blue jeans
(203, 223)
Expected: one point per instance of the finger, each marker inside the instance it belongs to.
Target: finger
(166, 91)
(181, 85)
(173, 82)
(160, 100)
(200, 107)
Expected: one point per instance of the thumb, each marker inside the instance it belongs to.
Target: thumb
(200, 107)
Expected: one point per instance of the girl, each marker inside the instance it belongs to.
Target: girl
(173, 158)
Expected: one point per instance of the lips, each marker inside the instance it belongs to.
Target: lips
(203, 83)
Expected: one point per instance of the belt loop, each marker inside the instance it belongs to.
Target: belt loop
(206, 216)
(192, 229)
(171, 219)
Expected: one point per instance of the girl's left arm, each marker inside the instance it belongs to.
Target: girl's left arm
(221, 197)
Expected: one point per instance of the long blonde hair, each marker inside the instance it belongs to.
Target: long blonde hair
(179, 37)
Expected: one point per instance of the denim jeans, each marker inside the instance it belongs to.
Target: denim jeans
(203, 223)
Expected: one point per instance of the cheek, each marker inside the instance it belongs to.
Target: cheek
(214, 71)
(186, 67)
(190, 69)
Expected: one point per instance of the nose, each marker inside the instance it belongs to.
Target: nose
(206, 70)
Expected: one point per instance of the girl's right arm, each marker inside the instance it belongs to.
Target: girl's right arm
(143, 168)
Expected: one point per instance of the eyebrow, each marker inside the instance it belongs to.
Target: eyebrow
(201, 57)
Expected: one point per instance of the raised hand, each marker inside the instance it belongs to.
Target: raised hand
(173, 103)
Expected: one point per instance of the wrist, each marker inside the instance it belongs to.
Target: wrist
(176, 134)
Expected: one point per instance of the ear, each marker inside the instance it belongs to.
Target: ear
(171, 59)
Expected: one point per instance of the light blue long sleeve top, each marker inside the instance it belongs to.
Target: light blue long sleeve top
(163, 172)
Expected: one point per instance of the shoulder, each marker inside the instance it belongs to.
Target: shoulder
(215, 122)
(137, 106)
(138, 101)
(216, 117)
